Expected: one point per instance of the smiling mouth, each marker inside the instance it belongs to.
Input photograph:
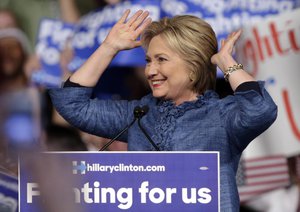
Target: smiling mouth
(157, 83)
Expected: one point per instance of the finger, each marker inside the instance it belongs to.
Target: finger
(124, 16)
(140, 20)
(231, 35)
(222, 42)
(236, 36)
(137, 43)
(142, 27)
(134, 17)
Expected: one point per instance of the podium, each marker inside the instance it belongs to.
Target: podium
(121, 181)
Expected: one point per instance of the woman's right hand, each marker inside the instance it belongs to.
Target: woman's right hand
(124, 34)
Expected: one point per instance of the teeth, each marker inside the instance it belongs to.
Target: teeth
(158, 82)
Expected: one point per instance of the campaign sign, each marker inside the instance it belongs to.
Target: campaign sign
(129, 181)
(85, 38)
(8, 193)
(228, 15)
(270, 51)
(52, 38)
(94, 27)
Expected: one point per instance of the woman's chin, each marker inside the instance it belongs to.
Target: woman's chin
(158, 95)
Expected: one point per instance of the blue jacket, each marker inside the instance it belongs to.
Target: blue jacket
(226, 125)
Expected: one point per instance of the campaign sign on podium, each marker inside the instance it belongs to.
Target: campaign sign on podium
(114, 181)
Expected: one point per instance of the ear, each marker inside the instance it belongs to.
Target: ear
(192, 76)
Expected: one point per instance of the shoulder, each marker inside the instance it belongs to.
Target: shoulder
(149, 100)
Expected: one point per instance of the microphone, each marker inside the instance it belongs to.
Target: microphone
(143, 111)
(137, 112)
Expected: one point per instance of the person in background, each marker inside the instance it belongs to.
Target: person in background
(19, 103)
(8, 19)
(184, 111)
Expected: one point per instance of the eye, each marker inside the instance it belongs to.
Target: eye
(161, 59)
(147, 60)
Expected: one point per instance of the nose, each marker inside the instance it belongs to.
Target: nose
(151, 70)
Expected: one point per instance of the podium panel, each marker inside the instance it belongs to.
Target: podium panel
(120, 181)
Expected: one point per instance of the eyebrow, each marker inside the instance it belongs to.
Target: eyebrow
(157, 55)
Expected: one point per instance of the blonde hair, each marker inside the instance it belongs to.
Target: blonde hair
(194, 40)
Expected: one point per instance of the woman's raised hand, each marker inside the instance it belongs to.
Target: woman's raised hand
(124, 33)
(223, 59)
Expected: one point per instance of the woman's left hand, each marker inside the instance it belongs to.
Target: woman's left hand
(223, 59)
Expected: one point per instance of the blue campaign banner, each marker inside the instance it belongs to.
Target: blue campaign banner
(8, 193)
(226, 16)
(52, 37)
(128, 181)
(94, 27)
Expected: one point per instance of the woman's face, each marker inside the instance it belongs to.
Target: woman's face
(167, 73)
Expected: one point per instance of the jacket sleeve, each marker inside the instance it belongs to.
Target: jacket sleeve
(247, 114)
(104, 118)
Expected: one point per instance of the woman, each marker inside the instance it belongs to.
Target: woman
(184, 111)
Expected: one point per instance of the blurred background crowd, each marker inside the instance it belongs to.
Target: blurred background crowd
(28, 121)
(27, 116)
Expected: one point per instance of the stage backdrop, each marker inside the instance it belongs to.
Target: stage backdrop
(270, 50)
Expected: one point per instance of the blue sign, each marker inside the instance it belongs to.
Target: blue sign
(94, 27)
(8, 193)
(225, 16)
(52, 38)
(135, 181)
